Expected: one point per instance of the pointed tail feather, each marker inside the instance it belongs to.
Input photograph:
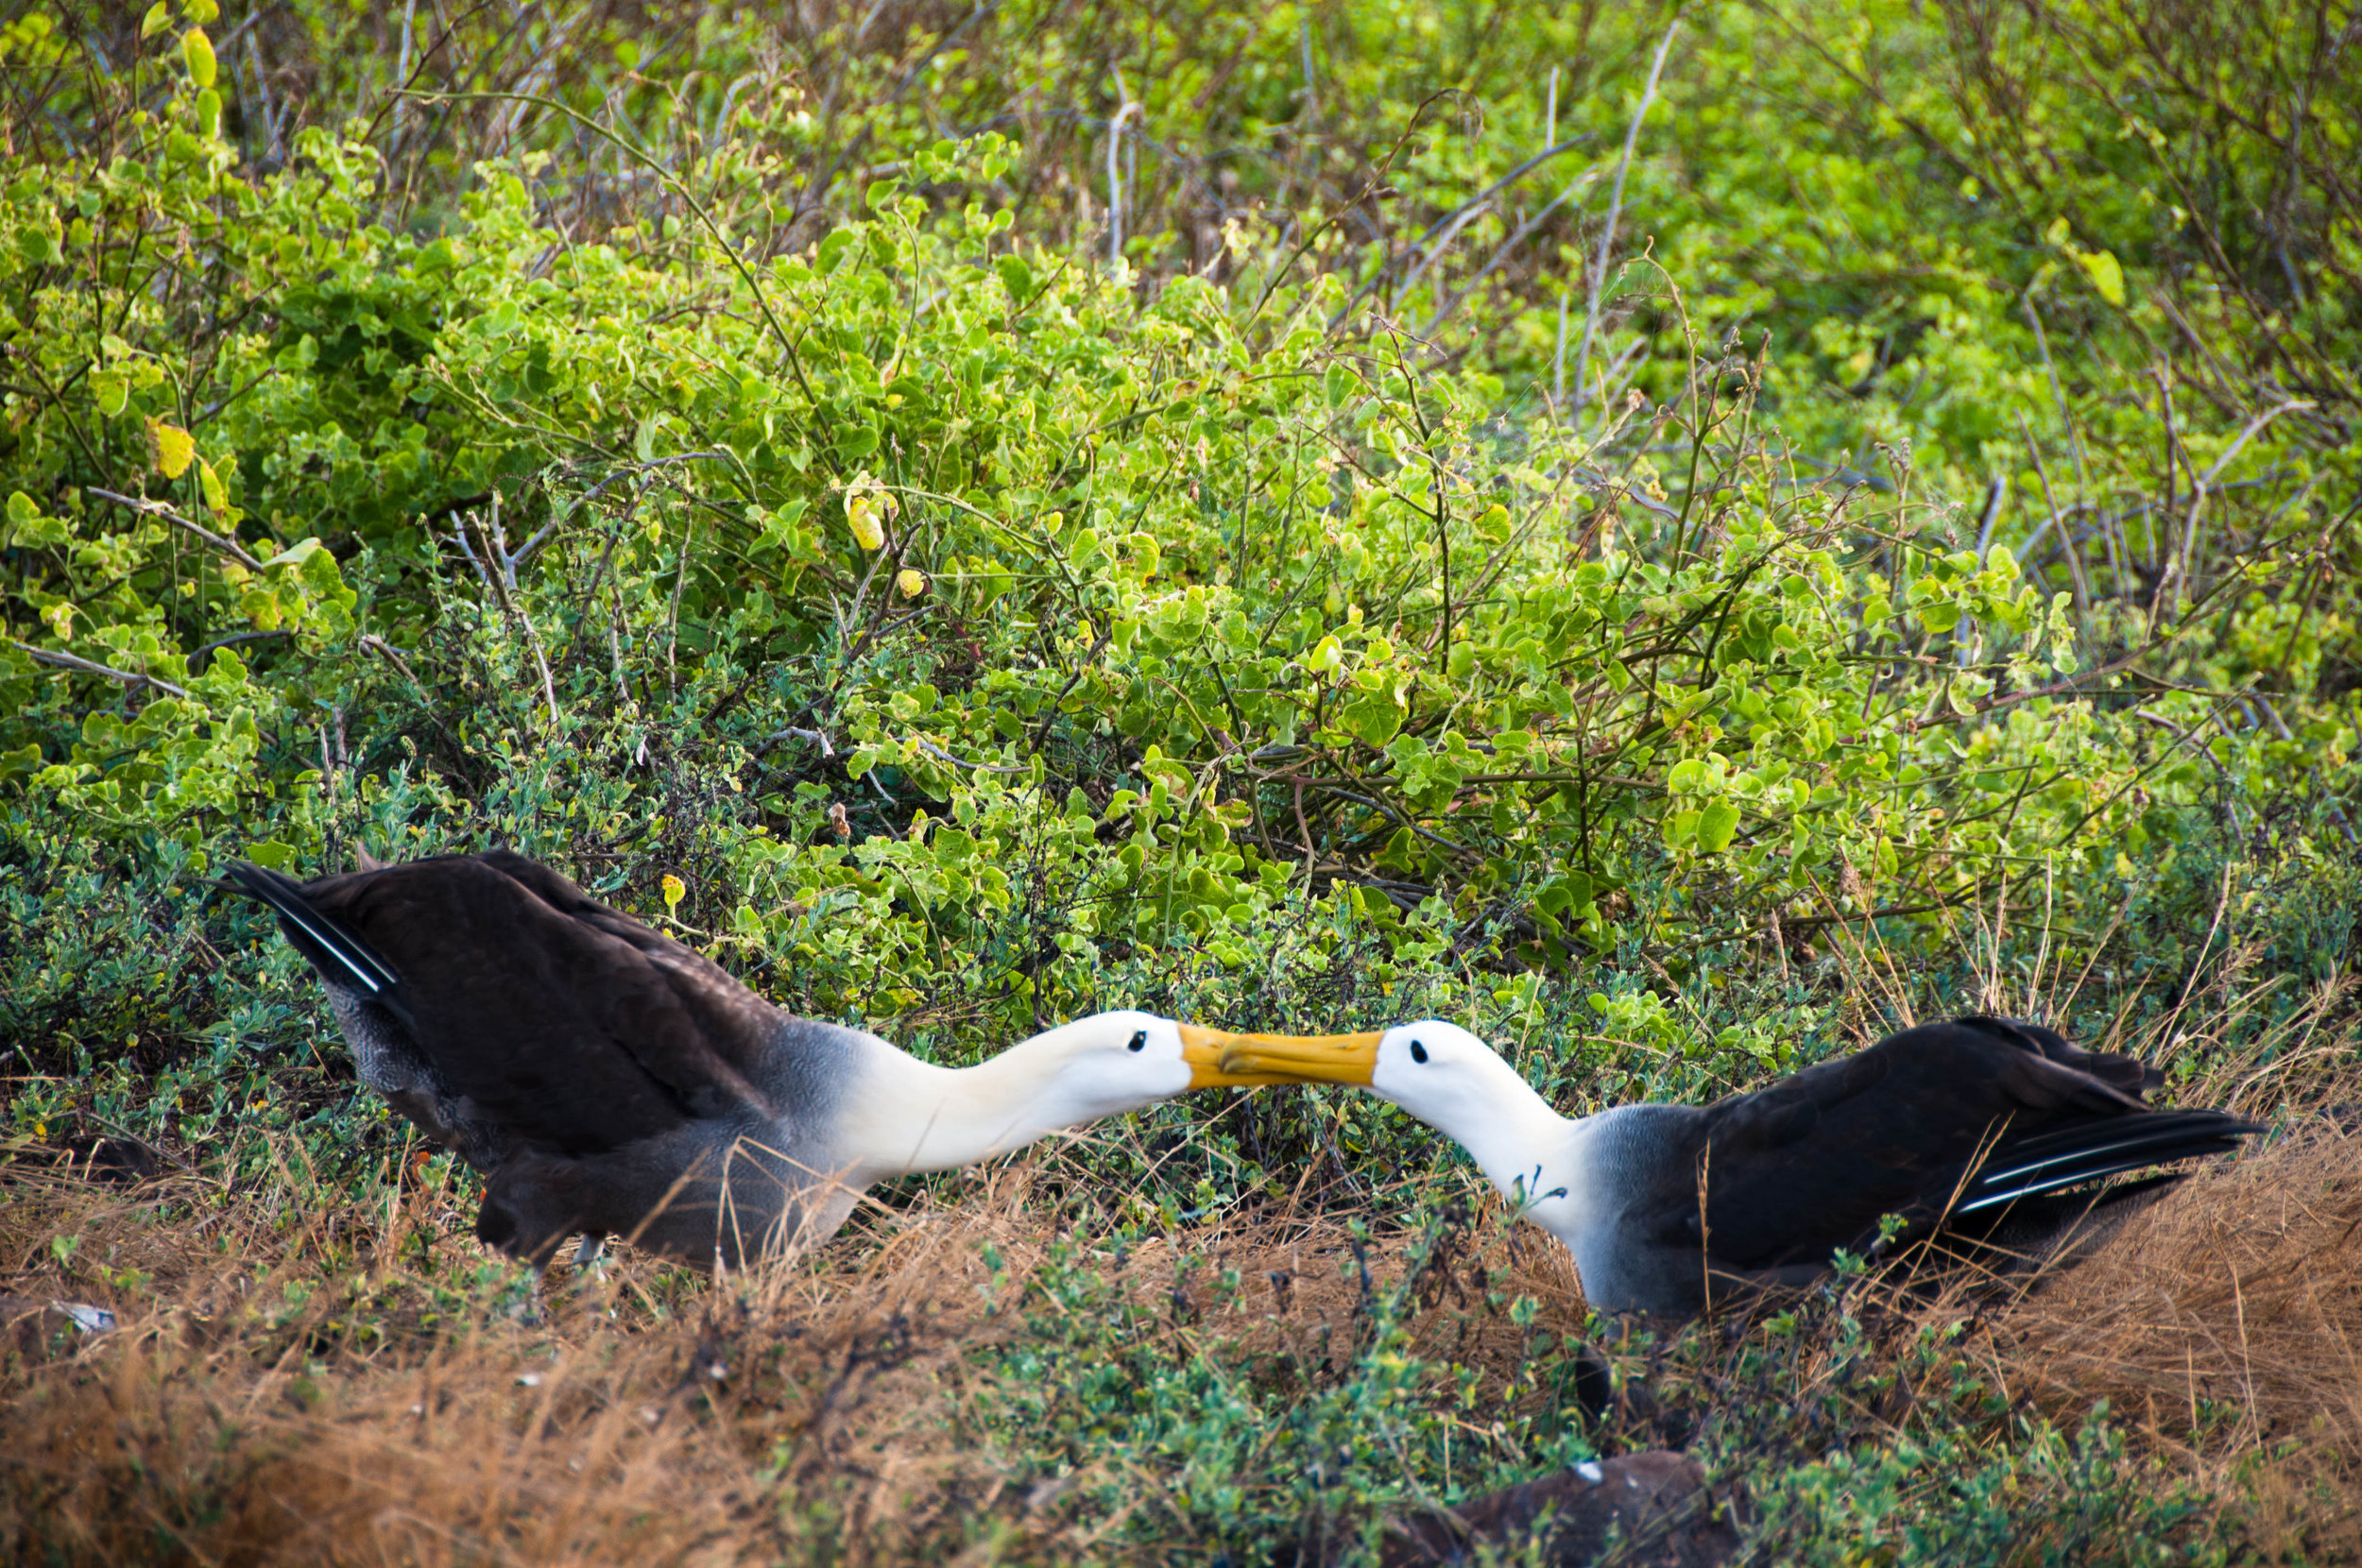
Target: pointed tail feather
(332, 947)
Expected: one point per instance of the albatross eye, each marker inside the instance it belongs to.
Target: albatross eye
(1418, 1051)
(1139, 1041)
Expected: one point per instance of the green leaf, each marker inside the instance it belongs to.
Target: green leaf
(1938, 617)
(2106, 274)
(1375, 717)
(1716, 823)
(270, 854)
(37, 242)
(643, 438)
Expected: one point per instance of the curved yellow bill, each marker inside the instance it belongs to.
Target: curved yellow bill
(1217, 1057)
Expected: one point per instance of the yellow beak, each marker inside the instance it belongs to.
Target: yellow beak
(1218, 1058)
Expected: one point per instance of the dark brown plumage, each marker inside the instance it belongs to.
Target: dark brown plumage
(1989, 1135)
(608, 1079)
(530, 1028)
(1993, 1129)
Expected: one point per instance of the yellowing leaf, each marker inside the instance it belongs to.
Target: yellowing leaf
(210, 483)
(674, 892)
(158, 17)
(2106, 274)
(866, 507)
(911, 581)
(862, 517)
(197, 51)
(176, 449)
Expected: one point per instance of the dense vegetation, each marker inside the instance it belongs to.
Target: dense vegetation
(1676, 536)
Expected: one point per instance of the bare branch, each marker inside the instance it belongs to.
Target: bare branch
(230, 548)
(67, 661)
(1614, 207)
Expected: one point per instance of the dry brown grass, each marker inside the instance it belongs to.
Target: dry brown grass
(819, 1409)
(2225, 1321)
(2222, 1322)
(346, 1383)
(225, 1422)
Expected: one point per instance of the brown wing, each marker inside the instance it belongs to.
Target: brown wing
(561, 1019)
(1812, 1163)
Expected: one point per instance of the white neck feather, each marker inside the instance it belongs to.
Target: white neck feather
(1518, 1141)
(903, 1115)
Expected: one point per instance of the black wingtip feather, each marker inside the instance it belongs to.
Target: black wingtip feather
(2157, 1128)
(331, 946)
(2061, 1161)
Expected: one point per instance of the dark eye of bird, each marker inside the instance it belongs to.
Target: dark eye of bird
(1139, 1041)
(1418, 1051)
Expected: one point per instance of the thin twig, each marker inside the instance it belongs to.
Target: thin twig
(378, 645)
(230, 548)
(2204, 483)
(932, 750)
(673, 183)
(1615, 208)
(493, 539)
(1131, 109)
(67, 661)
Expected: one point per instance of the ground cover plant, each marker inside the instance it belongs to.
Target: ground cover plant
(1681, 538)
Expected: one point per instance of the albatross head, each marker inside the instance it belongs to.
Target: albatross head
(1111, 1063)
(1439, 1072)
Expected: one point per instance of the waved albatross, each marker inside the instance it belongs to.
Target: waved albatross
(608, 1079)
(1977, 1128)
